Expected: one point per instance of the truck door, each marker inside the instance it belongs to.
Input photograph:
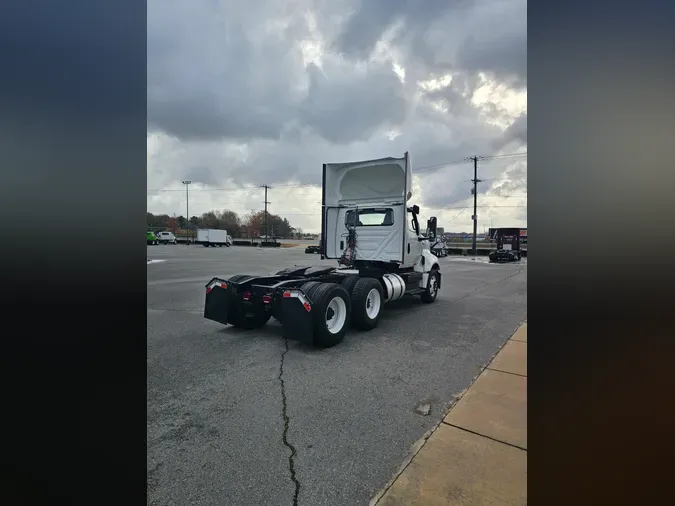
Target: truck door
(330, 239)
(413, 245)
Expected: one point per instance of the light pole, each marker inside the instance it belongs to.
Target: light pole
(187, 210)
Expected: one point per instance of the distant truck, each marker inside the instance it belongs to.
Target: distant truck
(508, 246)
(151, 238)
(313, 248)
(213, 237)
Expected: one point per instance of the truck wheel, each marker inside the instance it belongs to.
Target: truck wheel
(367, 301)
(310, 286)
(332, 309)
(431, 292)
(349, 282)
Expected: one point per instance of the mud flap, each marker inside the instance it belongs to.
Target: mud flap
(219, 301)
(298, 319)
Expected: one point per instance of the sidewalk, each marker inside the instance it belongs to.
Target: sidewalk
(478, 453)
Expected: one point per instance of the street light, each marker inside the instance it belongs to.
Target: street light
(187, 209)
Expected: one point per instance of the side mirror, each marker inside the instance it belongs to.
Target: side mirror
(431, 227)
(351, 219)
(416, 209)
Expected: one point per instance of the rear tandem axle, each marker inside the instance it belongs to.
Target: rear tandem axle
(315, 305)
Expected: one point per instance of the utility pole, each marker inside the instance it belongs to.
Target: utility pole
(475, 182)
(187, 209)
(266, 202)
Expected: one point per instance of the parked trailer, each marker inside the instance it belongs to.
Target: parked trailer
(213, 237)
(381, 259)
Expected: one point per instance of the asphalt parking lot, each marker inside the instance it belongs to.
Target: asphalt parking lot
(215, 400)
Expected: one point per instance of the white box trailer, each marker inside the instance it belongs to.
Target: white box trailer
(213, 237)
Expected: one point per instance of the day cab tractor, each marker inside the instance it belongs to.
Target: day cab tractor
(368, 226)
(508, 246)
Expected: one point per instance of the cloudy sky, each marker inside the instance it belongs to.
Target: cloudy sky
(242, 94)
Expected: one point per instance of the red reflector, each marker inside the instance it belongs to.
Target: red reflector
(287, 295)
(307, 306)
(208, 289)
(266, 299)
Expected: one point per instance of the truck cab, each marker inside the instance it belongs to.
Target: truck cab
(366, 203)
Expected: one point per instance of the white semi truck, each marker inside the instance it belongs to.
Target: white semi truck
(370, 228)
(213, 237)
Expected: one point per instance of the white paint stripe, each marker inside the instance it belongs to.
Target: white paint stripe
(155, 261)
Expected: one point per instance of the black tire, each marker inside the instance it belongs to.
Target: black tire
(430, 293)
(322, 296)
(309, 286)
(367, 297)
(349, 282)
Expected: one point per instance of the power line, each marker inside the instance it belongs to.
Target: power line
(430, 168)
(504, 155)
(423, 169)
(205, 189)
(279, 213)
(457, 216)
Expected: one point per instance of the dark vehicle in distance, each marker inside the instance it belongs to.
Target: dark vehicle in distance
(313, 248)
(508, 246)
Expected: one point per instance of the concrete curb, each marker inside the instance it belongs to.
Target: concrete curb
(419, 444)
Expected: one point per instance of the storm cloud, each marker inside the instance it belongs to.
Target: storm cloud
(246, 93)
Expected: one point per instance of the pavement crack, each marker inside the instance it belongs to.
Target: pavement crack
(284, 414)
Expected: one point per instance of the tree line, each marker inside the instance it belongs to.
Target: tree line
(250, 226)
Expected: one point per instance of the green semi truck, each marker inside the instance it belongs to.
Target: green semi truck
(151, 238)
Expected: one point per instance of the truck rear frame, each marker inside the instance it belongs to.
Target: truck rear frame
(302, 298)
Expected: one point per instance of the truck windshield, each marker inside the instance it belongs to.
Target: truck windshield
(370, 217)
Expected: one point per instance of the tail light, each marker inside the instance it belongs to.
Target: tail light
(246, 295)
(267, 299)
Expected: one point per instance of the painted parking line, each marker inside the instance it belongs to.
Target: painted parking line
(155, 261)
